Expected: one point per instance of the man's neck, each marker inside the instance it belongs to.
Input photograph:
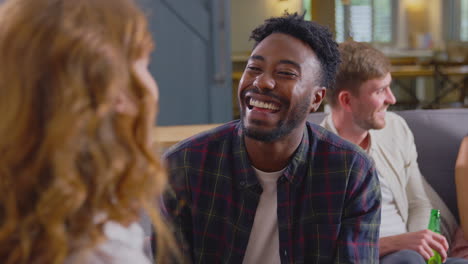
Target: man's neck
(348, 130)
(273, 156)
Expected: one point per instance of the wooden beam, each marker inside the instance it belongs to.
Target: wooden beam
(323, 12)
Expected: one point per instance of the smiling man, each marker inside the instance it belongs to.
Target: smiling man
(271, 187)
(359, 106)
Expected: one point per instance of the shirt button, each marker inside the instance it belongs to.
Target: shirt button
(242, 183)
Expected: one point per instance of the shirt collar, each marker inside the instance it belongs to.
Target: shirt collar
(294, 171)
(328, 124)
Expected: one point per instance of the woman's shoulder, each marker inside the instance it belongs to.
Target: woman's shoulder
(123, 244)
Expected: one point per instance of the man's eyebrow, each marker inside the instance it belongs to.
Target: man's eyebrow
(257, 57)
(291, 63)
(261, 58)
(385, 86)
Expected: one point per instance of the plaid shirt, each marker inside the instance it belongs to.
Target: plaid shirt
(328, 199)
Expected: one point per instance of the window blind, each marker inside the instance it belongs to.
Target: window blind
(364, 20)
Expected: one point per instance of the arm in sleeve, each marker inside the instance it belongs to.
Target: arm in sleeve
(177, 208)
(359, 234)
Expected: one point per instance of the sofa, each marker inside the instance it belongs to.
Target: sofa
(438, 134)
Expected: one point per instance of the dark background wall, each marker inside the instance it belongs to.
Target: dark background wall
(192, 60)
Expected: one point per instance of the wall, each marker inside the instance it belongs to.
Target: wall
(435, 23)
(323, 12)
(248, 14)
(418, 17)
(401, 41)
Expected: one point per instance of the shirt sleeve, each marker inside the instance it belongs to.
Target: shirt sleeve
(177, 209)
(359, 234)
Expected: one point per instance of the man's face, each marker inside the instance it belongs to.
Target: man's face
(370, 105)
(279, 87)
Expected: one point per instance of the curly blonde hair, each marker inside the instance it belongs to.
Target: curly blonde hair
(67, 155)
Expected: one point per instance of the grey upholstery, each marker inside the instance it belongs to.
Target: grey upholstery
(438, 134)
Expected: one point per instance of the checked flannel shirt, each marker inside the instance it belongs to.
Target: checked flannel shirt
(328, 199)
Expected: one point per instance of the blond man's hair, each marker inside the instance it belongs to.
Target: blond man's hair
(360, 62)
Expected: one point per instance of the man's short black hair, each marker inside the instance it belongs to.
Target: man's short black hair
(318, 37)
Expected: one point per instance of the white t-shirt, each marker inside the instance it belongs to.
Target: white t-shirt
(391, 221)
(263, 245)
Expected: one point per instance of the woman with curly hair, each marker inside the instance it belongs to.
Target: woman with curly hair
(77, 106)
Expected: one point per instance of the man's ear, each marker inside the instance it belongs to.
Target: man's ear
(317, 98)
(344, 100)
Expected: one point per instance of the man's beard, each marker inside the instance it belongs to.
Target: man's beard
(299, 114)
(371, 123)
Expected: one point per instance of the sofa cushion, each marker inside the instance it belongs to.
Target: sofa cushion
(438, 134)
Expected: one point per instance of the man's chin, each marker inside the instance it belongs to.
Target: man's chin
(379, 120)
(261, 133)
(263, 136)
(265, 132)
(378, 124)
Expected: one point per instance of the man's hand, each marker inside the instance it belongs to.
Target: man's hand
(423, 242)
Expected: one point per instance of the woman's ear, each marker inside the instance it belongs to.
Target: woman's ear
(317, 98)
(124, 105)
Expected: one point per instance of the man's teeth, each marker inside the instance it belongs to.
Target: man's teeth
(264, 105)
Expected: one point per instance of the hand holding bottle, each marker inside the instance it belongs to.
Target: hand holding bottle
(423, 242)
(434, 225)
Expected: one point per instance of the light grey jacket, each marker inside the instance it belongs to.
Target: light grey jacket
(394, 152)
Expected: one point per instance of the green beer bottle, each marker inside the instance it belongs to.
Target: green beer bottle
(434, 225)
